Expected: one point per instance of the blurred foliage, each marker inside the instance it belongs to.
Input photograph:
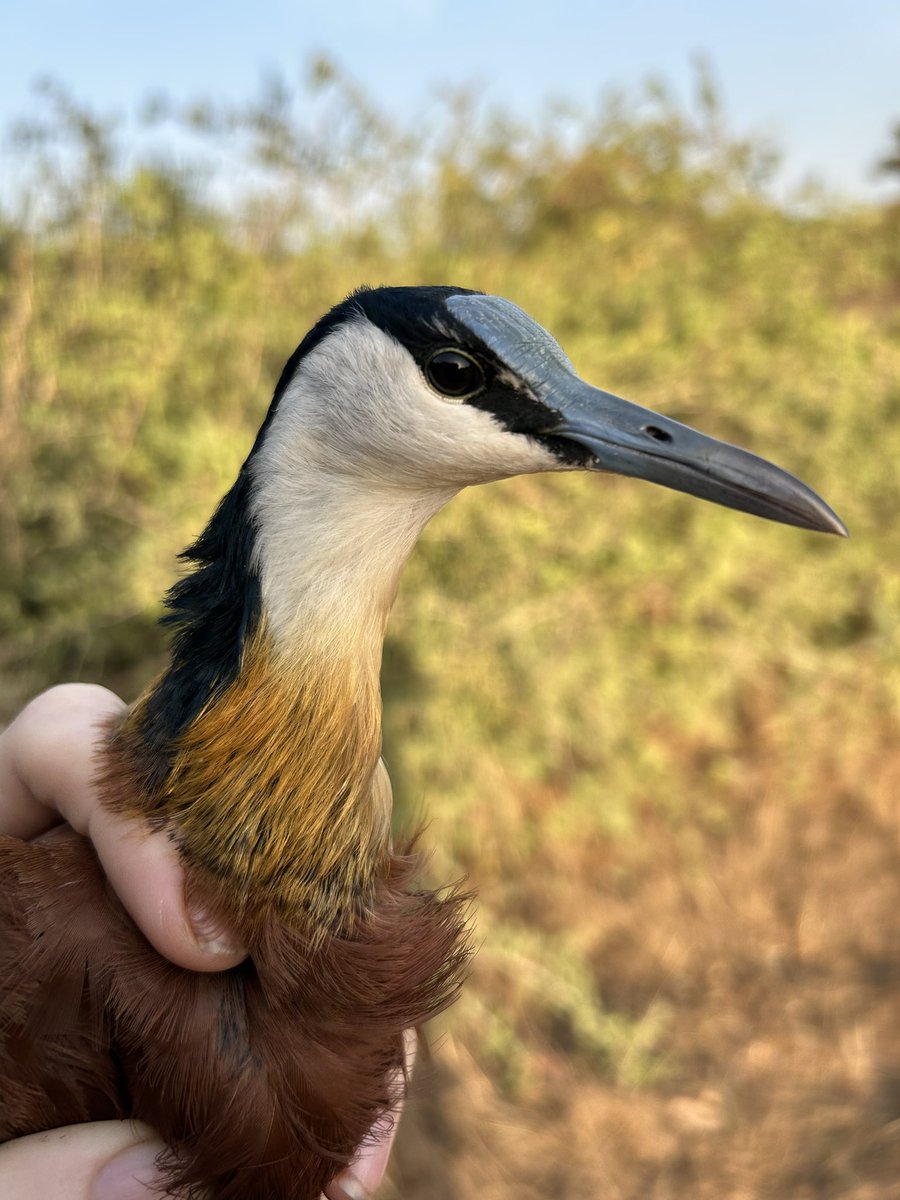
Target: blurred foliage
(890, 164)
(580, 670)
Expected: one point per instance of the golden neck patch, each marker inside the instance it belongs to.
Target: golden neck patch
(270, 789)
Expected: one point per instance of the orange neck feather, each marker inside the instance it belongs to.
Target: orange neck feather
(272, 790)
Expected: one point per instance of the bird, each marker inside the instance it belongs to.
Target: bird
(258, 752)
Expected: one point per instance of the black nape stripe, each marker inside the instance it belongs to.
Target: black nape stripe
(212, 612)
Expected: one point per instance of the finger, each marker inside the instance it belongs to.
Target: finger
(48, 766)
(108, 1160)
(366, 1172)
(46, 756)
(147, 876)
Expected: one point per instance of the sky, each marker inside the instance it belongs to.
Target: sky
(820, 78)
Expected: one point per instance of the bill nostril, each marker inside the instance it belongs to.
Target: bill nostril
(658, 435)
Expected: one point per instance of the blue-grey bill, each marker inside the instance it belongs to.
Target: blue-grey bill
(630, 440)
(627, 439)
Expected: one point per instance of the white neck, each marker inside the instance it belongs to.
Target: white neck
(330, 555)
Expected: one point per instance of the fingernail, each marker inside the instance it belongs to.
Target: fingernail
(210, 935)
(132, 1175)
(347, 1187)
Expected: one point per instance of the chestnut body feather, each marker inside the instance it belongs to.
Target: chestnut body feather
(264, 1079)
(257, 752)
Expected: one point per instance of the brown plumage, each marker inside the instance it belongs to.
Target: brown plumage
(257, 752)
(264, 1079)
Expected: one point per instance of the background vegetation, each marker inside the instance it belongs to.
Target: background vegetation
(660, 738)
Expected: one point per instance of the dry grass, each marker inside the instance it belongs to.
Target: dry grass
(771, 956)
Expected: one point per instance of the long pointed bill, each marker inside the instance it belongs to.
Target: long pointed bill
(629, 440)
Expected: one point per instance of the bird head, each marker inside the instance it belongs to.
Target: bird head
(436, 388)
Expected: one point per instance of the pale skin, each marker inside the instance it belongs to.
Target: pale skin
(47, 768)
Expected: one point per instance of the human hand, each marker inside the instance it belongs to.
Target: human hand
(48, 762)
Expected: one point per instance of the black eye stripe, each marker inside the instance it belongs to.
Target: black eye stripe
(454, 374)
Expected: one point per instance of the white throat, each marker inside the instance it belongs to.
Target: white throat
(330, 555)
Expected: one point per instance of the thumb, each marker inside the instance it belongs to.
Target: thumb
(107, 1160)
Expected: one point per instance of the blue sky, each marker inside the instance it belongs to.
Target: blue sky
(819, 77)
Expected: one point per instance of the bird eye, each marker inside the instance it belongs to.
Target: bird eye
(454, 374)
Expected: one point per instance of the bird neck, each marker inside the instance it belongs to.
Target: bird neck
(329, 554)
(273, 787)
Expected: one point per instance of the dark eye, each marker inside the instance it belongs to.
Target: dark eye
(454, 374)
